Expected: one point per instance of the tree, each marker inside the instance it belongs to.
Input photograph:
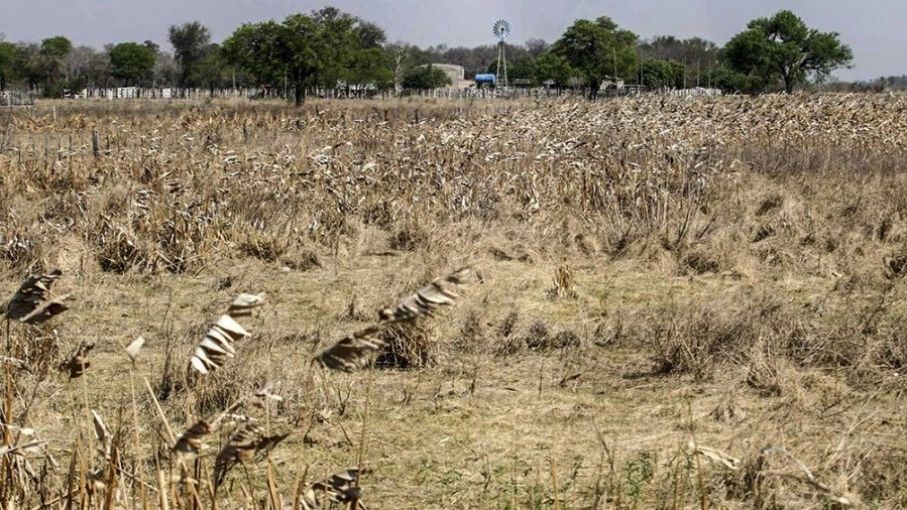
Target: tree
(53, 53)
(657, 73)
(30, 65)
(782, 49)
(404, 57)
(190, 44)
(598, 49)
(56, 47)
(699, 56)
(88, 67)
(131, 62)
(261, 50)
(211, 70)
(551, 67)
(425, 78)
(536, 47)
(166, 70)
(8, 56)
(370, 65)
(306, 50)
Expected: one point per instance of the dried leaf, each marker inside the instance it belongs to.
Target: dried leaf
(245, 444)
(245, 303)
(353, 352)
(102, 433)
(77, 364)
(45, 311)
(340, 488)
(217, 346)
(32, 294)
(716, 455)
(426, 300)
(189, 443)
(133, 349)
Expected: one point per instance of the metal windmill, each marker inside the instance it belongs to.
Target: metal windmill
(501, 30)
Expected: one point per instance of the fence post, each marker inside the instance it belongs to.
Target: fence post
(95, 144)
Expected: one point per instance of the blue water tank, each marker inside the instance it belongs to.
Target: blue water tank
(485, 78)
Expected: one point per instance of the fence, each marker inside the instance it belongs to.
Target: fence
(10, 98)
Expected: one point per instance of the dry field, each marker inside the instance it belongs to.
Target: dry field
(671, 304)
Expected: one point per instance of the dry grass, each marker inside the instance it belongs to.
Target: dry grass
(679, 303)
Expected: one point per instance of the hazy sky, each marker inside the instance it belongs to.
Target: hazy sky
(876, 29)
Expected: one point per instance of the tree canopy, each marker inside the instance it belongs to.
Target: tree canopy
(322, 48)
(190, 43)
(8, 56)
(598, 49)
(551, 67)
(782, 50)
(659, 73)
(131, 61)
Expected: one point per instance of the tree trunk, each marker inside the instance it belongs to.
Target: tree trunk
(298, 95)
(788, 82)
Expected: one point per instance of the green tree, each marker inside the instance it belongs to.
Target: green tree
(782, 49)
(131, 62)
(8, 57)
(425, 78)
(371, 66)
(403, 57)
(658, 73)
(551, 67)
(370, 63)
(598, 49)
(190, 42)
(700, 57)
(261, 50)
(336, 44)
(30, 65)
(306, 50)
(56, 47)
(211, 70)
(53, 53)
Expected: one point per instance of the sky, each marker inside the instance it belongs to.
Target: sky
(875, 29)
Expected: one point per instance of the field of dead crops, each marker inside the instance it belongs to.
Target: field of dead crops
(633, 303)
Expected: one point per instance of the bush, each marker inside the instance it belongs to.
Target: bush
(425, 78)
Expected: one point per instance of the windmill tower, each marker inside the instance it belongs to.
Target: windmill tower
(501, 31)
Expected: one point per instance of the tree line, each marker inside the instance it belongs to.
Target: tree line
(329, 48)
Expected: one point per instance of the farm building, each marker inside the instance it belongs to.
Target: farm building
(454, 72)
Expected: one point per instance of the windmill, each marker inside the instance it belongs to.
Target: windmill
(501, 30)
